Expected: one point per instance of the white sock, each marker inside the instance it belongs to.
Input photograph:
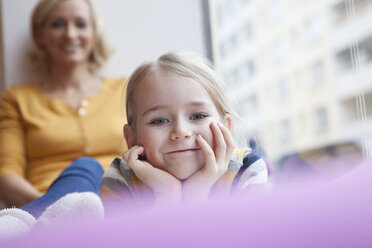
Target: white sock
(72, 207)
(15, 221)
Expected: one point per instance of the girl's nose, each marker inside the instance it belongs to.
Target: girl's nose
(180, 131)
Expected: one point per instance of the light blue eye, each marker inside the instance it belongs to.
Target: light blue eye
(159, 121)
(198, 116)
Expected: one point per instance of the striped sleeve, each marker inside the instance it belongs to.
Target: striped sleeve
(120, 186)
(252, 172)
(117, 185)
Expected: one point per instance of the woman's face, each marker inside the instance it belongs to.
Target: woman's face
(68, 33)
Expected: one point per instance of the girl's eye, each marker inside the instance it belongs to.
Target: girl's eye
(198, 116)
(159, 121)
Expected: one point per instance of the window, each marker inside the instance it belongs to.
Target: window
(321, 120)
(365, 50)
(348, 112)
(249, 106)
(283, 90)
(298, 58)
(313, 28)
(343, 60)
(276, 9)
(247, 70)
(317, 74)
(285, 132)
(280, 50)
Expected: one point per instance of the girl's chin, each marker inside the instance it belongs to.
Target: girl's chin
(181, 169)
(184, 175)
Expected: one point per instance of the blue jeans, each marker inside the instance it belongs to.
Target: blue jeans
(83, 175)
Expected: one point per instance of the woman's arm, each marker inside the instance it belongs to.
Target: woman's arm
(16, 191)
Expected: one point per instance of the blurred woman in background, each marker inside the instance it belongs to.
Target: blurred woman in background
(70, 117)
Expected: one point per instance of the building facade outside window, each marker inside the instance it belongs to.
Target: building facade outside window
(314, 56)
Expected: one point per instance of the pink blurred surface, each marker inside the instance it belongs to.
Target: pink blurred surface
(332, 213)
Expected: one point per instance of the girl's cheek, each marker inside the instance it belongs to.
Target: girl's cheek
(207, 134)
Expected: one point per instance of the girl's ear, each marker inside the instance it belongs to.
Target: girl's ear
(227, 121)
(130, 136)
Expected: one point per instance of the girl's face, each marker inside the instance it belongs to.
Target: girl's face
(170, 112)
(68, 33)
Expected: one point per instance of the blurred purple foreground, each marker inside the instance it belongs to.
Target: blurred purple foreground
(333, 213)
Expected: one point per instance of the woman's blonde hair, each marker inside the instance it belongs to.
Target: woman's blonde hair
(184, 64)
(39, 57)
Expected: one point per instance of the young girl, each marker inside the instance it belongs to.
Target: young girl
(179, 135)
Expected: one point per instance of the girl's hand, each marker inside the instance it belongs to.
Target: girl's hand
(198, 186)
(166, 188)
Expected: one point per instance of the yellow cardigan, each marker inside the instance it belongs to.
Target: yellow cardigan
(40, 136)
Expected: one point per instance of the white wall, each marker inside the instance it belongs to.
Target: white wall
(138, 30)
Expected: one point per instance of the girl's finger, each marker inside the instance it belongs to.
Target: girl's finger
(229, 140)
(126, 154)
(133, 153)
(139, 167)
(220, 144)
(208, 153)
(151, 176)
(142, 169)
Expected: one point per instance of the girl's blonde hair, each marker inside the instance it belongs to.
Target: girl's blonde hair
(184, 64)
(39, 57)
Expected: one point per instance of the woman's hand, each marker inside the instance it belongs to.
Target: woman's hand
(17, 191)
(198, 186)
(166, 188)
